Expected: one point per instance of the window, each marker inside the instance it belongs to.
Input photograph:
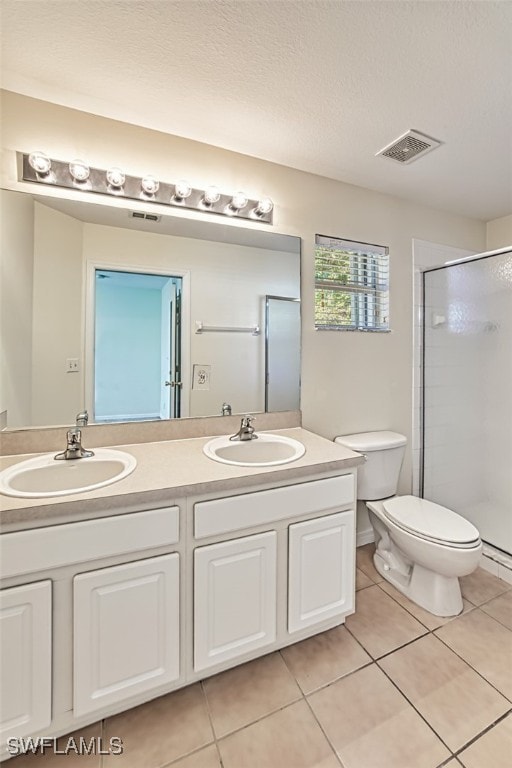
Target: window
(351, 285)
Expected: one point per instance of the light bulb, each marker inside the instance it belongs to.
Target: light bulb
(182, 190)
(115, 177)
(40, 162)
(150, 185)
(211, 195)
(264, 207)
(238, 201)
(79, 170)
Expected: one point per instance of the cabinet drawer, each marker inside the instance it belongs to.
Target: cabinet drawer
(58, 545)
(238, 512)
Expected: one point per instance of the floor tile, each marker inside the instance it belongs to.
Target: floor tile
(244, 694)
(371, 725)
(364, 561)
(380, 624)
(485, 644)
(456, 702)
(481, 586)
(288, 738)
(49, 759)
(321, 659)
(425, 617)
(161, 730)
(500, 608)
(362, 580)
(492, 750)
(204, 758)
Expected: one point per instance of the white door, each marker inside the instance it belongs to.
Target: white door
(234, 598)
(321, 570)
(26, 659)
(126, 631)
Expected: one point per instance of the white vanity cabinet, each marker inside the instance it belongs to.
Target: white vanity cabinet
(320, 570)
(114, 587)
(148, 600)
(26, 659)
(283, 569)
(126, 631)
(234, 598)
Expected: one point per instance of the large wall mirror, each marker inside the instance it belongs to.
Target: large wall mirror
(133, 316)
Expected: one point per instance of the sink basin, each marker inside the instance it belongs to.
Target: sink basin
(267, 451)
(44, 477)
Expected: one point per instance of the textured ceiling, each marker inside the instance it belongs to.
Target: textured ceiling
(317, 85)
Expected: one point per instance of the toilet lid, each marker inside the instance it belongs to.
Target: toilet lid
(430, 521)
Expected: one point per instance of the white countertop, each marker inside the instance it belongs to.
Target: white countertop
(168, 470)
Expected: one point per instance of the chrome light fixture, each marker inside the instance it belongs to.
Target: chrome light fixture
(182, 190)
(264, 207)
(116, 177)
(40, 162)
(79, 170)
(150, 185)
(211, 196)
(238, 201)
(78, 176)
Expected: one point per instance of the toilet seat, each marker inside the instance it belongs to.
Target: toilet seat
(431, 521)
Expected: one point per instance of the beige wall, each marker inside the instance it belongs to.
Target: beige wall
(57, 395)
(16, 276)
(350, 381)
(499, 233)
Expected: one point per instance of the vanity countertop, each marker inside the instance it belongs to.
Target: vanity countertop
(166, 471)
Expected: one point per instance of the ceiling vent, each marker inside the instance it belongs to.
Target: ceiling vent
(146, 216)
(408, 147)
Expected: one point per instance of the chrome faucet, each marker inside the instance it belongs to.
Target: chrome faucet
(246, 431)
(74, 448)
(82, 419)
(226, 409)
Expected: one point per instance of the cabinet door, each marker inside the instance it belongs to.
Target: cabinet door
(321, 570)
(234, 598)
(26, 659)
(126, 631)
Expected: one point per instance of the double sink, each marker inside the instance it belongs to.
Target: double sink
(42, 476)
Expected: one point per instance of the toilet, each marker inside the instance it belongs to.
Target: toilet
(422, 548)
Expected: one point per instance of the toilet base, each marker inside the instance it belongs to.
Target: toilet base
(438, 594)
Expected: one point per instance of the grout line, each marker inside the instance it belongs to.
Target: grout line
(486, 730)
(323, 731)
(416, 710)
(507, 698)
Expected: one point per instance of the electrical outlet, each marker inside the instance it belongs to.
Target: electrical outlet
(72, 365)
(201, 377)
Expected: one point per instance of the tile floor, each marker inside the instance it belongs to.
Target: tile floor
(394, 688)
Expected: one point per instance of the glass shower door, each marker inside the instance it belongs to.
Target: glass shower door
(467, 393)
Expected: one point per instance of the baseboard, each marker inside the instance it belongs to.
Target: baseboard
(496, 562)
(365, 537)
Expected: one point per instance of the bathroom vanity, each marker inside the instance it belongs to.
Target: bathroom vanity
(182, 569)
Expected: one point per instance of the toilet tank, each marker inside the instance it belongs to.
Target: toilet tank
(377, 478)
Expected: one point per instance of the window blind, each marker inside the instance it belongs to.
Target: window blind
(351, 285)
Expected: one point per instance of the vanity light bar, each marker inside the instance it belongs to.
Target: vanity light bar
(40, 169)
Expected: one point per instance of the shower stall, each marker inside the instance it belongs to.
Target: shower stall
(466, 450)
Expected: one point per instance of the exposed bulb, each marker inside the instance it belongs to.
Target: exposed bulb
(264, 207)
(40, 162)
(115, 177)
(182, 190)
(211, 195)
(150, 185)
(238, 201)
(79, 170)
